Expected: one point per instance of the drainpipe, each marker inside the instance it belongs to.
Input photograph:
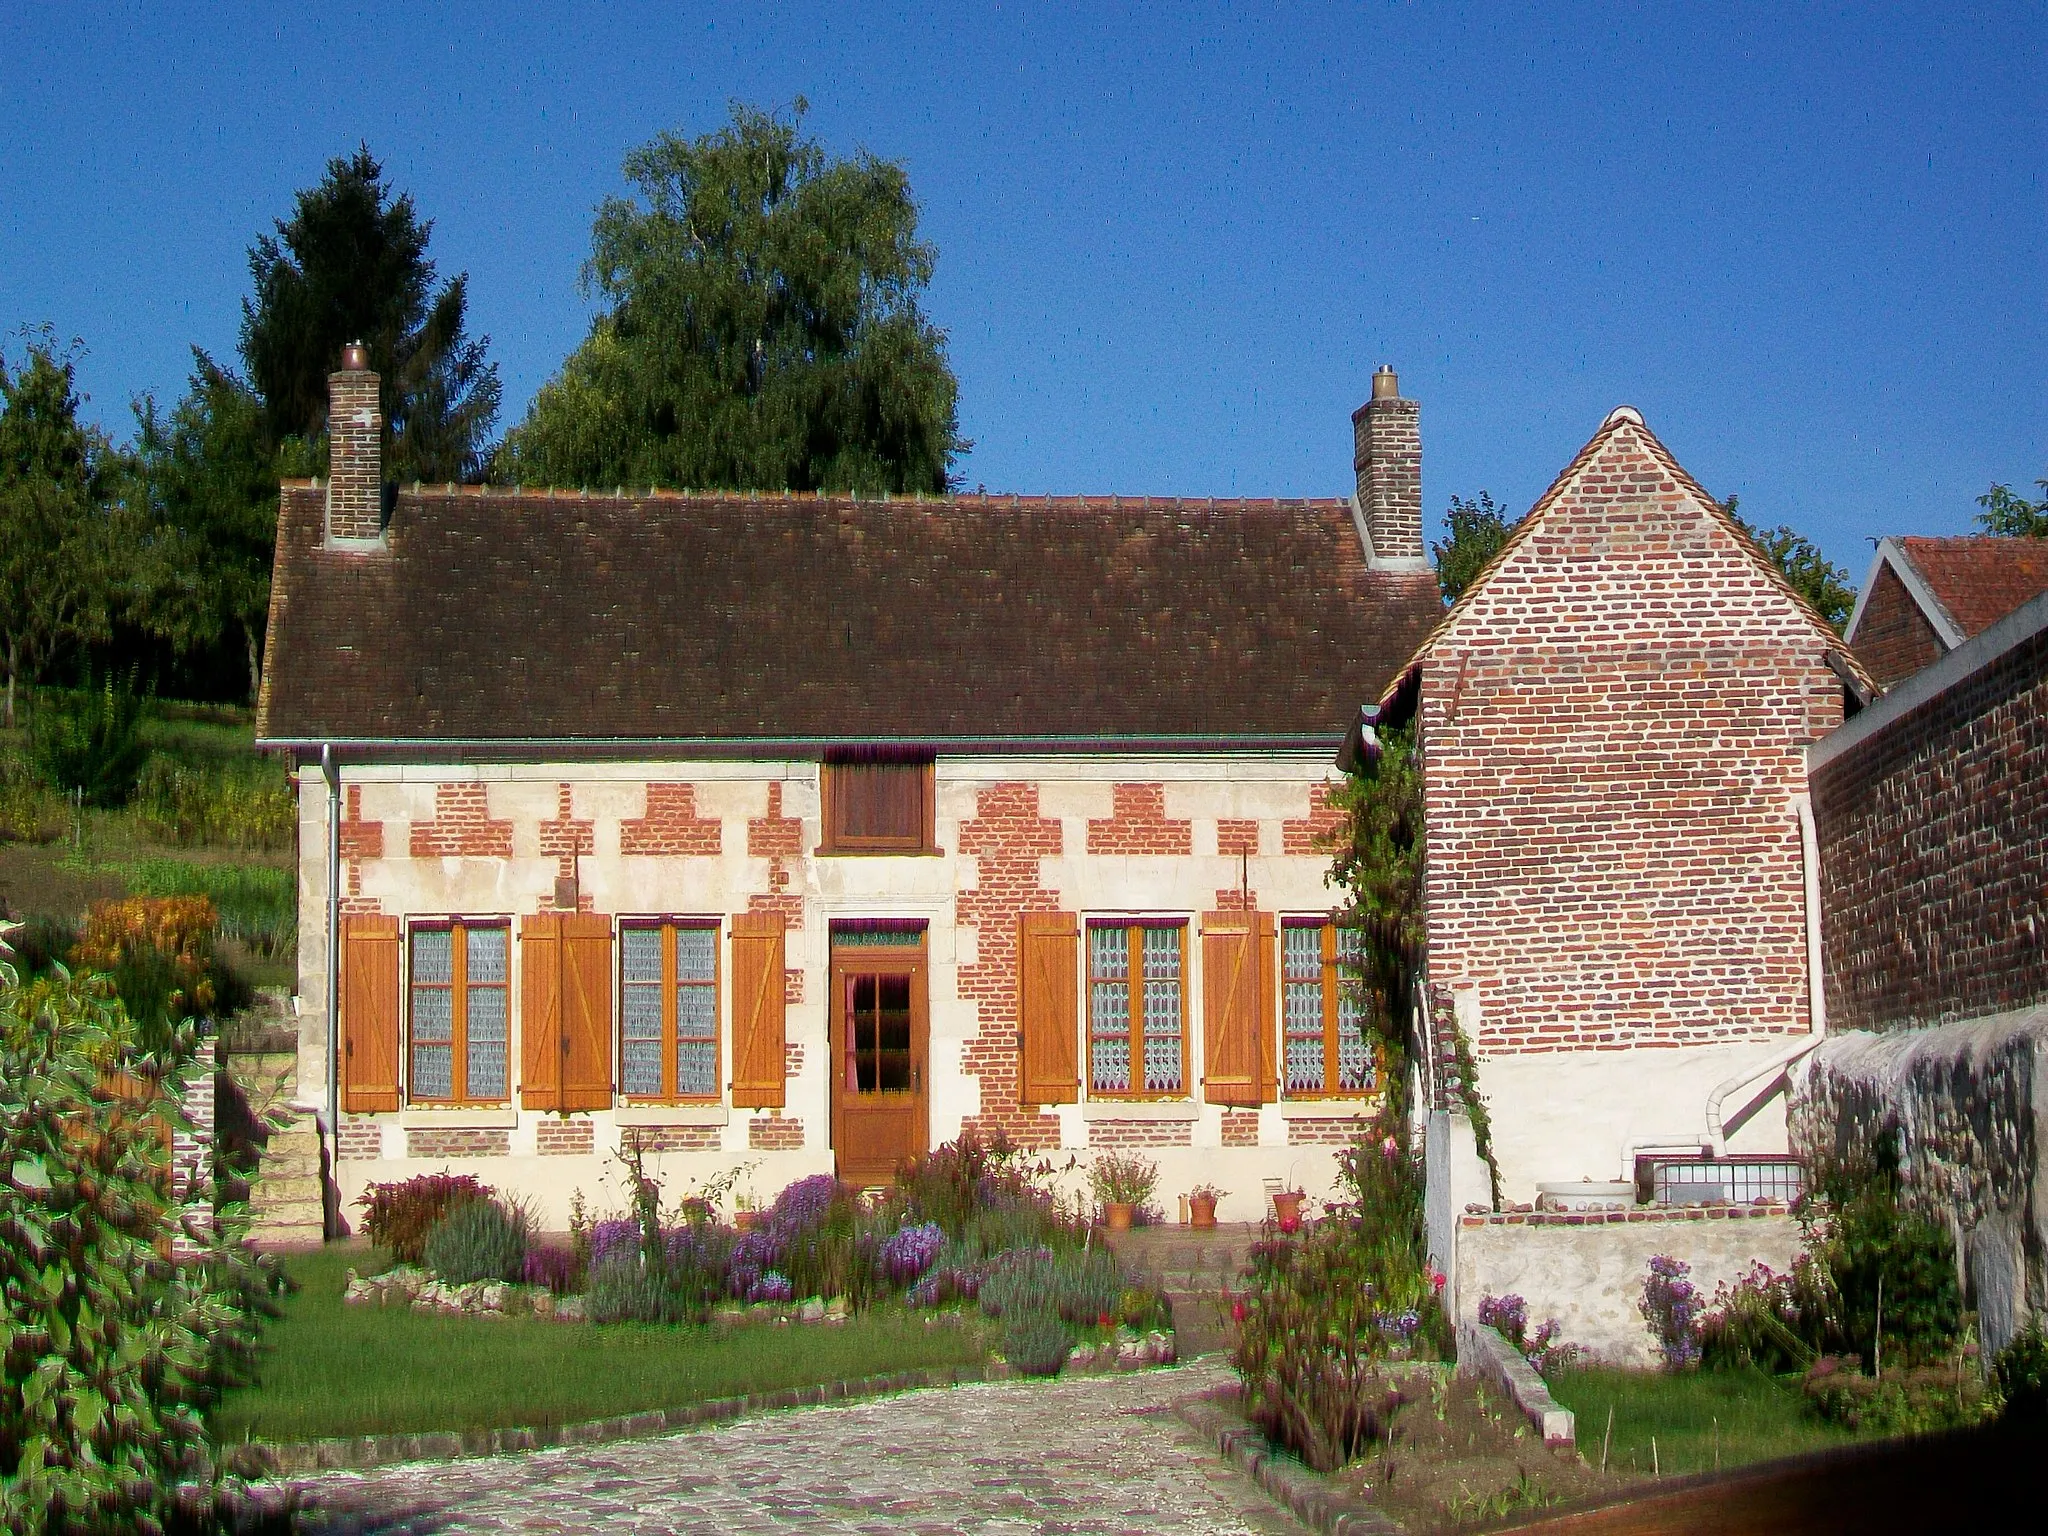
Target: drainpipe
(332, 773)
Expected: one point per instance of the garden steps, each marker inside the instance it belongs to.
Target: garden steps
(287, 1189)
(1196, 1270)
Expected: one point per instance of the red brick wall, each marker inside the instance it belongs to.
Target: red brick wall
(780, 840)
(672, 825)
(558, 1137)
(454, 1143)
(1894, 639)
(1323, 1133)
(1613, 738)
(773, 1131)
(678, 1138)
(1138, 823)
(1934, 854)
(462, 826)
(1311, 834)
(565, 838)
(1006, 837)
(360, 1141)
(1240, 1127)
(1140, 1133)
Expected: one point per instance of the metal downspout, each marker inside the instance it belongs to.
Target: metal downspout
(332, 774)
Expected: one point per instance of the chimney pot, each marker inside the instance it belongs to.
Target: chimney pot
(1386, 384)
(355, 358)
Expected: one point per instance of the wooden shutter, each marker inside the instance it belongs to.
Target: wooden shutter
(1268, 1023)
(1239, 1068)
(369, 1014)
(758, 1033)
(1048, 1020)
(586, 1011)
(543, 1042)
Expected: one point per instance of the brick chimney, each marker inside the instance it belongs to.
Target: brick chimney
(355, 451)
(1388, 459)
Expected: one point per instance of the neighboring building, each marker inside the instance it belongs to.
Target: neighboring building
(1620, 873)
(1925, 597)
(811, 831)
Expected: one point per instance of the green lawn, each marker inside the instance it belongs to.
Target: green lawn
(1697, 1420)
(331, 1370)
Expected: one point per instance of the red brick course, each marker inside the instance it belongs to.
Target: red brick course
(458, 1143)
(566, 838)
(1634, 1215)
(558, 1137)
(360, 840)
(1240, 1127)
(360, 1141)
(1234, 837)
(772, 1131)
(1324, 1133)
(677, 1138)
(780, 840)
(462, 826)
(1140, 1133)
(1893, 638)
(1138, 823)
(672, 826)
(1006, 837)
(1312, 834)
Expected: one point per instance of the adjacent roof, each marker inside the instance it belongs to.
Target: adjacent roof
(490, 615)
(1963, 585)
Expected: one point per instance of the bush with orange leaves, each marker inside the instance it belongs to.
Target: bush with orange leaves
(159, 952)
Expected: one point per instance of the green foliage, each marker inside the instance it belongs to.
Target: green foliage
(1475, 531)
(1887, 1262)
(1122, 1178)
(399, 1217)
(1037, 1344)
(2022, 1372)
(30, 811)
(2010, 515)
(41, 942)
(1377, 865)
(245, 805)
(109, 1353)
(258, 905)
(761, 328)
(351, 264)
(1825, 585)
(478, 1240)
(993, 1192)
(1080, 1286)
(1915, 1401)
(89, 741)
(623, 1289)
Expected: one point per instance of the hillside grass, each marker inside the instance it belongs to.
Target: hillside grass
(1694, 1421)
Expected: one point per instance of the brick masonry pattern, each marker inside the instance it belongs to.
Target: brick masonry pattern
(1934, 855)
(1240, 1127)
(780, 840)
(1894, 639)
(677, 1138)
(462, 826)
(1323, 1133)
(671, 825)
(1613, 735)
(772, 1131)
(355, 490)
(361, 1141)
(457, 1143)
(1141, 1133)
(558, 1137)
(1631, 1217)
(1138, 823)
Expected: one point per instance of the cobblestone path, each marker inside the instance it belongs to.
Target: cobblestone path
(1090, 1456)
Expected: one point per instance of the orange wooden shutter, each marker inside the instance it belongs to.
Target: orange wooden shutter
(543, 1042)
(1236, 1071)
(1268, 1022)
(369, 1014)
(758, 1033)
(586, 1011)
(1048, 1022)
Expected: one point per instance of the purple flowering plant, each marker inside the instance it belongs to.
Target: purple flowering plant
(1673, 1307)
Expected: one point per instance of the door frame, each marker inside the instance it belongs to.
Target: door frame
(850, 960)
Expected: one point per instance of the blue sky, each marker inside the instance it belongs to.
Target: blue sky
(1811, 245)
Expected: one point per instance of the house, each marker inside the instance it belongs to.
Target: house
(1620, 878)
(807, 832)
(1925, 597)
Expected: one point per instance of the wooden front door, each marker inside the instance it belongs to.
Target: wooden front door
(879, 1036)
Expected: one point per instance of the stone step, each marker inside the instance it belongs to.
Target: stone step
(286, 1191)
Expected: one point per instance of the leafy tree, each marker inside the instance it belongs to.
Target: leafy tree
(761, 328)
(1475, 532)
(1823, 584)
(2010, 515)
(209, 475)
(351, 265)
(54, 553)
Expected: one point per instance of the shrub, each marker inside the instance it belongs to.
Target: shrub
(159, 953)
(1509, 1315)
(1122, 1178)
(1672, 1306)
(398, 1217)
(624, 1290)
(1917, 1400)
(2022, 1372)
(478, 1240)
(1037, 1344)
(1081, 1287)
(109, 1354)
(993, 1189)
(88, 742)
(911, 1251)
(258, 906)
(193, 806)
(552, 1267)
(29, 811)
(1768, 1320)
(1882, 1258)
(41, 942)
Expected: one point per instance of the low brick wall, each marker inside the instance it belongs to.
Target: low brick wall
(1586, 1269)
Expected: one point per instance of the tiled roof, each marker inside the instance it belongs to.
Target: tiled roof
(491, 614)
(1980, 579)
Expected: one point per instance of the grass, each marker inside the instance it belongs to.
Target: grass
(330, 1369)
(1699, 1420)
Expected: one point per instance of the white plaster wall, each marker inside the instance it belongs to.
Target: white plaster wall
(1571, 1115)
(1270, 788)
(1591, 1278)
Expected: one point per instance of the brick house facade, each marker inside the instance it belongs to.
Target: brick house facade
(1619, 875)
(1924, 597)
(808, 832)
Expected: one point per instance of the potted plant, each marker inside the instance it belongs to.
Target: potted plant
(746, 1214)
(1287, 1208)
(1202, 1205)
(1122, 1183)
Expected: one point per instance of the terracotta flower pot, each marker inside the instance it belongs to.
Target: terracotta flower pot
(1202, 1211)
(1117, 1214)
(746, 1221)
(1287, 1207)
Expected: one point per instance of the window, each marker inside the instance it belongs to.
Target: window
(877, 803)
(1137, 1009)
(459, 1011)
(1322, 1016)
(668, 992)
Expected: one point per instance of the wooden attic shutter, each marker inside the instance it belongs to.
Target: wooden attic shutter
(369, 1014)
(1237, 1007)
(565, 1018)
(1048, 1021)
(758, 1033)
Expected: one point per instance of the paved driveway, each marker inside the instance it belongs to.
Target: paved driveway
(1090, 1456)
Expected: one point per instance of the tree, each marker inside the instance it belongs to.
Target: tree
(54, 565)
(760, 330)
(1475, 532)
(209, 476)
(2010, 515)
(351, 265)
(1823, 584)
